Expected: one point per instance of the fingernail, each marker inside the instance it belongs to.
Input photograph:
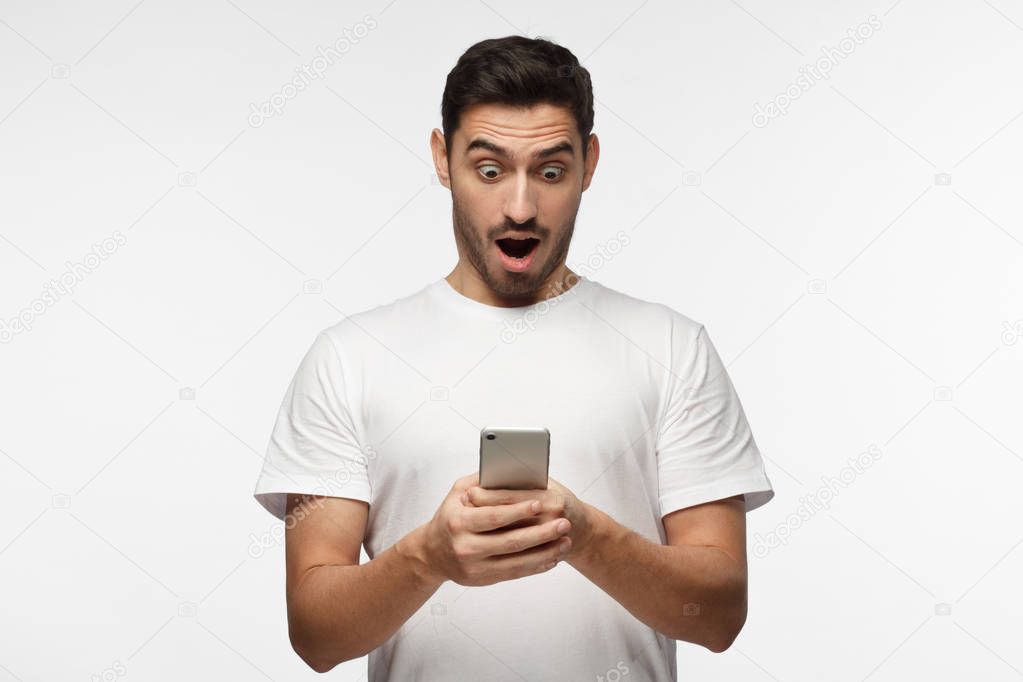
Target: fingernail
(535, 507)
(564, 546)
(562, 525)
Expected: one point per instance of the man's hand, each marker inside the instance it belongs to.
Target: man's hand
(557, 502)
(473, 546)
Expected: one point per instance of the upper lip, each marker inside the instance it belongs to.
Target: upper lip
(518, 235)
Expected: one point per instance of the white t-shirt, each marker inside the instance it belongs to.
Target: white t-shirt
(387, 406)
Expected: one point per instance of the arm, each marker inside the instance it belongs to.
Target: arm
(338, 609)
(692, 589)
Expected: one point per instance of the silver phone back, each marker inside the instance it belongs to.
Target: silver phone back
(517, 457)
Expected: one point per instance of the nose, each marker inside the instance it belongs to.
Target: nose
(520, 204)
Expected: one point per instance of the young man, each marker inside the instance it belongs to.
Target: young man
(652, 465)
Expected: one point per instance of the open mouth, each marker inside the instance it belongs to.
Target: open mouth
(517, 248)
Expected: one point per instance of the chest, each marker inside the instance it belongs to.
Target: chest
(600, 401)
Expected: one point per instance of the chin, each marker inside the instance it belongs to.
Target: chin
(514, 285)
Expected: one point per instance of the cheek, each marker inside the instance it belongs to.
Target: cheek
(478, 207)
(558, 207)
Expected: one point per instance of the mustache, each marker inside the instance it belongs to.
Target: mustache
(528, 226)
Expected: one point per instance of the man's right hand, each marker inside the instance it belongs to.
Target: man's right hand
(471, 545)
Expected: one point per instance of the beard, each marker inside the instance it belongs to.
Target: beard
(477, 244)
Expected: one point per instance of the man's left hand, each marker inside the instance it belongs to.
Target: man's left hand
(557, 501)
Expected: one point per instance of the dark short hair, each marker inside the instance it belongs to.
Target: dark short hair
(518, 71)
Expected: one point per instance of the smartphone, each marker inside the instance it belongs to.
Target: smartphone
(514, 457)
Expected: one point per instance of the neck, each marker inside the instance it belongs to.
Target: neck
(467, 281)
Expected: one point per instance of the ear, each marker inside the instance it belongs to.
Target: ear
(438, 149)
(592, 154)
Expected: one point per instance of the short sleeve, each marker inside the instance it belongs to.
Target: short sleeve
(314, 446)
(705, 448)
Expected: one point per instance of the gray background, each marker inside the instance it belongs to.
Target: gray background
(858, 262)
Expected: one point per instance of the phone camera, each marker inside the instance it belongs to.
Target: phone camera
(491, 436)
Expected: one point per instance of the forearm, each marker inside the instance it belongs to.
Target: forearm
(338, 612)
(691, 593)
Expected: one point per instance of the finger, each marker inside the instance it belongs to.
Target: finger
(464, 483)
(483, 497)
(531, 561)
(551, 506)
(521, 523)
(519, 539)
(481, 519)
(534, 520)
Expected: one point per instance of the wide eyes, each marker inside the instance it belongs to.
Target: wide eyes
(490, 171)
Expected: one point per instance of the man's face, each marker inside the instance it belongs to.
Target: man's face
(514, 172)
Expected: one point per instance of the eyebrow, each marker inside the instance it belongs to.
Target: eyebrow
(480, 143)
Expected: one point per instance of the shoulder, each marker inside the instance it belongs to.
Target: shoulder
(646, 313)
(382, 320)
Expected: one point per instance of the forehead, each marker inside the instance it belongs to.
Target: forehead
(516, 128)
